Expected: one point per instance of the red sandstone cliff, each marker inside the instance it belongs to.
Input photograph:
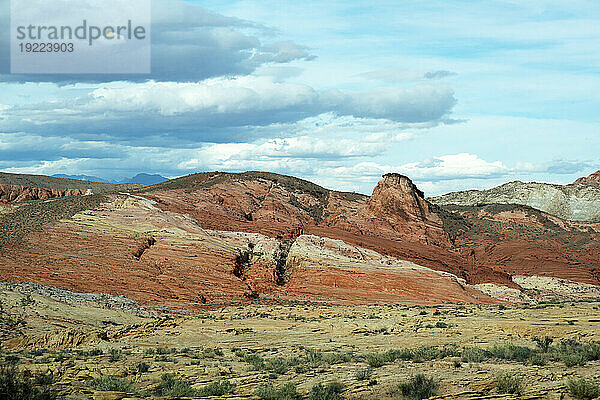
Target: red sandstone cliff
(592, 180)
(17, 193)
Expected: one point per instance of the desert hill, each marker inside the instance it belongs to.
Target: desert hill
(16, 188)
(575, 202)
(221, 237)
(592, 180)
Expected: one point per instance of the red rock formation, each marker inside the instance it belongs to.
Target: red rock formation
(16, 193)
(396, 220)
(479, 244)
(592, 180)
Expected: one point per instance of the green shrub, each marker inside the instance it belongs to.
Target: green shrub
(509, 383)
(573, 359)
(332, 391)
(112, 383)
(173, 387)
(15, 385)
(337, 357)
(286, 392)
(543, 343)
(220, 388)
(376, 360)
(538, 359)
(419, 387)
(143, 367)
(509, 351)
(115, 355)
(583, 389)
(473, 355)
(364, 374)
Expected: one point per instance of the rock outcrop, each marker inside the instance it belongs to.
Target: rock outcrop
(571, 202)
(17, 193)
(592, 180)
(219, 237)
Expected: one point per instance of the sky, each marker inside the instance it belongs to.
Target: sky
(454, 94)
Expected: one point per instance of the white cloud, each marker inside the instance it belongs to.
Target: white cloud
(220, 109)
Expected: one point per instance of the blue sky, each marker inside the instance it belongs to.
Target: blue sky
(454, 94)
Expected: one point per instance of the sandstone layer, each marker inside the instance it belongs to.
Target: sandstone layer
(570, 202)
(16, 193)
(592, 180)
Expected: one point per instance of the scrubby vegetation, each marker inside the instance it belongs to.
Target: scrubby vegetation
(509, 382)
(583, 389)
(285, 392)
(418, 387)
(18, 385)
(113, 383)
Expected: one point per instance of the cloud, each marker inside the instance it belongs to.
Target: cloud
(216, 109)
(189, 43)
(448, 167)
(394, 76)
(559, 167)
(438, 74)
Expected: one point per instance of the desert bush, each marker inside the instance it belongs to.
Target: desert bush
(539, 359)
(286, 392)
(583, 389)
(219, 388)
(509, 351)
(173, 387)
(376, 360)
(112, 383)
(143, 368)
(473, 355)
(15, 385)
(574, 353)
(572, 359)
(364, 374)
(331, 391)
(543, 343)
(418, 387)
(115, 355)
(508, 382)
(337, 357)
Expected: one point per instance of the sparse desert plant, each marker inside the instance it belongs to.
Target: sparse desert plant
(583, 389)
(218, 388)
(508, 382)
(473, 355)
(15, 385)
(285, 392)
(572, 359)
(539, 359)
(143, 368)
(173, 387)
(112, 383)
(331, 391)
(115, 355)
(543, 343)
(364, 374)
(376, 360)
(418, 387)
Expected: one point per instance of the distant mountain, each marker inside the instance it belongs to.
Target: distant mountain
(146, 179)
(140, 179)
(88, 178)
